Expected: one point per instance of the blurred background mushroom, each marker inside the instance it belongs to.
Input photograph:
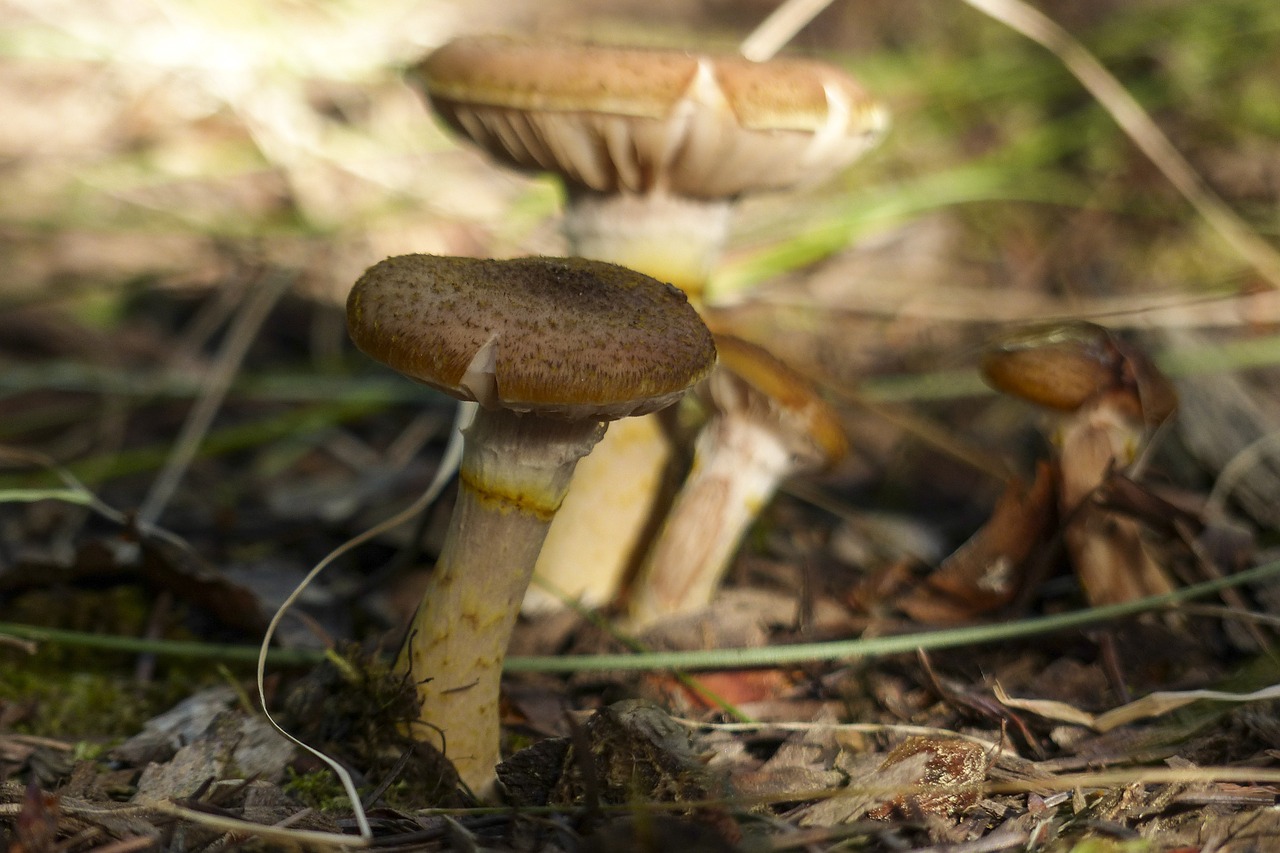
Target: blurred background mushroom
(653, 146)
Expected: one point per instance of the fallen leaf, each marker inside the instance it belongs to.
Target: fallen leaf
(1047, 708)
(949, 783)
(985, 573)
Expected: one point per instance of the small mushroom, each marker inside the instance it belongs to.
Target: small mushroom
(1112, 398)
(551, 349)
(766, 423)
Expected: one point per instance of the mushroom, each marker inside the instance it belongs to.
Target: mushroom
(766, 423)
(653, 146)
(1112, 399)
(551, 349)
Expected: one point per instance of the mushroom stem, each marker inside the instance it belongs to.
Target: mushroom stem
(672, 238)
(515, 471)
(602, 530)
(765, 423)
(737, 466)
(1112, 561)
(602, 534)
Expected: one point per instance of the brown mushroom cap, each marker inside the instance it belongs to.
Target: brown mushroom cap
(562, 336)
(752, 382)
(1066, 365)
(639, 120)
(1061, 366)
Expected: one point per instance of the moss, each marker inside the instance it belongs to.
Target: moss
(357, 709)
(122, 610)
(318, 789)
(75, 704)
(76, 693)
(41, 696)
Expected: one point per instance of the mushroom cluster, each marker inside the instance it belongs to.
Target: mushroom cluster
(654, 147)
(552, 349)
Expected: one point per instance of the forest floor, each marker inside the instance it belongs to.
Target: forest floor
(185, 431)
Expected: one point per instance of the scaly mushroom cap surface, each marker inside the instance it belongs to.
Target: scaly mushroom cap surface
(639, 120)
(558, 336)
(750, 382)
